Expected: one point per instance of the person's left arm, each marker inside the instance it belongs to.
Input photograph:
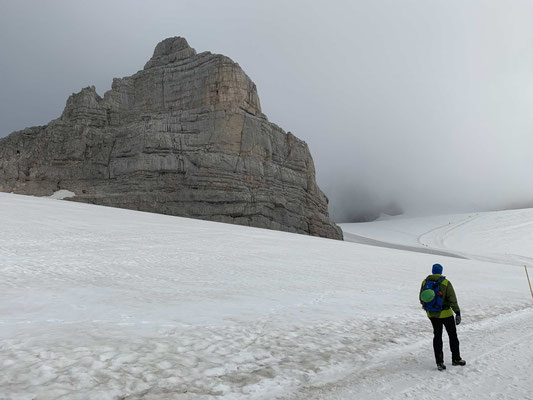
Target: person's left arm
(452, 298)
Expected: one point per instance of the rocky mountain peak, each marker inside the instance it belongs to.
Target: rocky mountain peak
(85, 108)
(170, 50)
(184, 136)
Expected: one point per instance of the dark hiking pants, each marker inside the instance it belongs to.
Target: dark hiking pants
(449, 323)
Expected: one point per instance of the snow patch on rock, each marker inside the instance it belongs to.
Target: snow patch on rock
(63, 194)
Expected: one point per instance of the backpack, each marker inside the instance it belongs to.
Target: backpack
(431, 295)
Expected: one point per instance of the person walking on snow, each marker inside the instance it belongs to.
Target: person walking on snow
(438, 299)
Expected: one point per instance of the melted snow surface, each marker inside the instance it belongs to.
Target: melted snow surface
(104, 303)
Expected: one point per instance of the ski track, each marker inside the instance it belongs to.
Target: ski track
(350, 237)
(438, 238)
(439, 234)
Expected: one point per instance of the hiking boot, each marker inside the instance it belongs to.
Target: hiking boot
(441, 367)
(459, 362)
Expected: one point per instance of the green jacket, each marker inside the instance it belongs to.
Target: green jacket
(449, 302)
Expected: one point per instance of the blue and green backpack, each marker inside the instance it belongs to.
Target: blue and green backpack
(431, 295)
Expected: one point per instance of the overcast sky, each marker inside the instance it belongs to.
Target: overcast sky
(425, 103)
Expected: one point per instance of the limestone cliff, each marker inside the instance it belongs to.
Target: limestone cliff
(184, 136)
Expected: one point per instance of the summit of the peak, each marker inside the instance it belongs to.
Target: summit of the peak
(170, 50)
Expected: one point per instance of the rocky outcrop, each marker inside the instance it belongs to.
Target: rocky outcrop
(185, 136)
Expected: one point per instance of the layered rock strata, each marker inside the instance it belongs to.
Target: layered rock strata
(184, 136)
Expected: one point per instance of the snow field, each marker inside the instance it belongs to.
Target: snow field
(188, 361)
(106, 303)
(498, 367)
(502, 236)
(401, 229)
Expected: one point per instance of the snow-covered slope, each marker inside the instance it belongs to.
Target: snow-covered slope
(104, 303)
(502, 237)
(401, 230)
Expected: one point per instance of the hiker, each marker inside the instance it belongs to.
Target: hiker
(438, 299)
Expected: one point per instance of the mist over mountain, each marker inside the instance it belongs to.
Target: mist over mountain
(423, 104)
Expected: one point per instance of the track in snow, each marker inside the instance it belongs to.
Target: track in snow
(352, 237)
(438, 239)
(498, 353)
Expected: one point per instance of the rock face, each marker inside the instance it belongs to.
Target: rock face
(185, 136)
